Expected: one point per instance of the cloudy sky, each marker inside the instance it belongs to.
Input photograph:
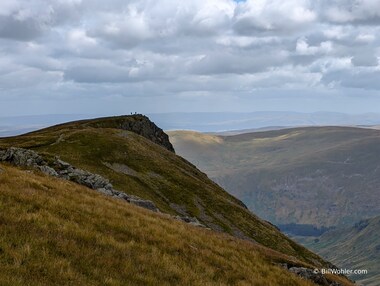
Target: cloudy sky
(117, 56)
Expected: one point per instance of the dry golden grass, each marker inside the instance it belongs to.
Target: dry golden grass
(53, 232)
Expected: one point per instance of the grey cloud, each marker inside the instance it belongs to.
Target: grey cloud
(23, 30)
(273, 16)
(365, 78)
(26, 77)
(101, 72)
(28, 20)
(351, 11)
(369, 60)
(239, 63)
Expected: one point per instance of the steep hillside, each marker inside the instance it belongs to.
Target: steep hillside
(356, 247)
(318, 176)
(55, 232)
(136, 156)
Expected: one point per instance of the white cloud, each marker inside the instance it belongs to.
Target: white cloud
(351, 11)
(336, 33)
(365, 38)
(78, 39)
(246, 42)
(273, 15)
(303, 48)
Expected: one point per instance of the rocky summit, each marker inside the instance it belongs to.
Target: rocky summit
(139, 124)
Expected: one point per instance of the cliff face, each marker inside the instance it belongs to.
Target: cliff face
(139, 124)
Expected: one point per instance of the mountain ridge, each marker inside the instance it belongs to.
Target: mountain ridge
(141, 165)
(138, 166)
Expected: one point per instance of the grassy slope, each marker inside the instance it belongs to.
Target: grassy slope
(355, 247)
(312, 175)
(54, 232)
(143, 168)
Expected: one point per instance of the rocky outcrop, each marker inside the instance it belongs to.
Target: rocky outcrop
(313, 275)
(58, 168)
(82, 177)
(26, 158)
(139, 124)
(310, 274)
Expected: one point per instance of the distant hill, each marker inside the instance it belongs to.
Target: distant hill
(355, 247)
(319, 176)
(227, 121)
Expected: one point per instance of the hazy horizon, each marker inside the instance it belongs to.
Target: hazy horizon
(202, 121)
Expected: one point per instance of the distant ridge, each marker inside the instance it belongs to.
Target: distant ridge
(309, 175)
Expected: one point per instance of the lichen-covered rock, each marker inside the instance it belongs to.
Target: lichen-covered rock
(21, 157)
(48, 170)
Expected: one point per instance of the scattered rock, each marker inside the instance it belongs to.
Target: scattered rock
(190, 220)
(182, 210)
(310, 274)
(283, 265)
(122, 169)
(143, 203)
(313, 275)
